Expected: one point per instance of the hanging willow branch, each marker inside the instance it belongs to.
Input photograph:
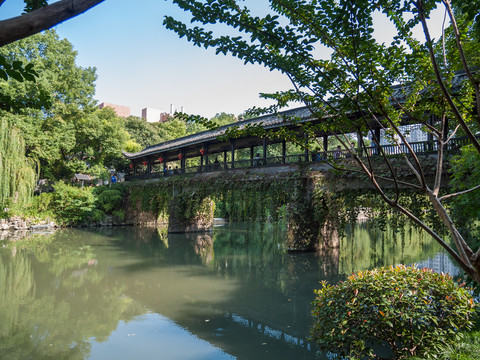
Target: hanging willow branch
(17, 174)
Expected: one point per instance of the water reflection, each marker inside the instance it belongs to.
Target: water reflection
(52, 301)
(234, 293)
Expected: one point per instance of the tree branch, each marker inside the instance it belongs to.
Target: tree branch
(473, 81)
(42, 19)
(440, 153)
(448, 196)
(440, 80)
(465, 265)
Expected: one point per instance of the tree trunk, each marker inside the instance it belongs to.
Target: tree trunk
(42, 19)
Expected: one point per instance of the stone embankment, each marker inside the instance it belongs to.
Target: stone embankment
(17, 223)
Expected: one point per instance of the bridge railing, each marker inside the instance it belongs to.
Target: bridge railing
(420, 147)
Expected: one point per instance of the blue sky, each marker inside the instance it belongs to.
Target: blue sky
(141, 64)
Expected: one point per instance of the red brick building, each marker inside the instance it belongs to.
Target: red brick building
(120, 110)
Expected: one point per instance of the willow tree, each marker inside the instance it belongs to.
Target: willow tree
(344, 75)
(17, 172)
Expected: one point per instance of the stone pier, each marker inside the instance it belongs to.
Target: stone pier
(182, 221)
(307, 229)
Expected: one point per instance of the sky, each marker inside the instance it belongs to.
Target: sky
(141, 64)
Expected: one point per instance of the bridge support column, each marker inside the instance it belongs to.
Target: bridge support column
(187, 214)
(303, 227)
(309, 228)
(307, 156)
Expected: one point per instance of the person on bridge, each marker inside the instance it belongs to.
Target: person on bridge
(337, 153)
(256, 160)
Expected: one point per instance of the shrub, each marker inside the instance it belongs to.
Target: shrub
(39, 207)
(71, 204)
(414, 311)
(109, 200)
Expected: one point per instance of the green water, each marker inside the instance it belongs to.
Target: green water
(129, 293)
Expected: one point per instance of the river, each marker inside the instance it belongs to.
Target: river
(140, 293)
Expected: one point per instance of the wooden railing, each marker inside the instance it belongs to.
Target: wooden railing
(421, 147)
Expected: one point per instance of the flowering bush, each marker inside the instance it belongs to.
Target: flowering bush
(414, 311)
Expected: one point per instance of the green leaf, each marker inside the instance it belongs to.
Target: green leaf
(15, 75)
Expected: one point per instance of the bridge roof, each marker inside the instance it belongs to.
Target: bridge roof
(192, 143)
(270, 121)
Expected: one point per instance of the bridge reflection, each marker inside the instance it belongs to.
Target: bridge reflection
(236, 289)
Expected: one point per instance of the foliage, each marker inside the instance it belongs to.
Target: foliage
(39, 207)
(261, 198)
(72, 204)
(62, 84)
(16, 70)
(109, 201)
(61, 90)
(142, 132)
(17, 174)
(465, 176)
(31, 5)
(223, 118)
(468, 348)
(63, 129)
(413, 311)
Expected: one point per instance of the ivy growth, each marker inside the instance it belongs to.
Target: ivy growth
(266, 198)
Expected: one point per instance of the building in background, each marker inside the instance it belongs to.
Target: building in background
(120, 110)
(154, 115)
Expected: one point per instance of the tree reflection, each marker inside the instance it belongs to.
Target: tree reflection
(61, 291)
(366, 247)
(46, 285)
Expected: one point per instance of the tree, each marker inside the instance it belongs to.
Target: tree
(172, 129)
(62, 126)
(143, 132)
(18, 174)
(49, 107)
(41, 16)
(357, 78)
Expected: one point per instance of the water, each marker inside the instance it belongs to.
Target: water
(130, 293)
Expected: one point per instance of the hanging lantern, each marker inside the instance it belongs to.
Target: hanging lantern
(160, 160)
(145, 162)
(130, 166)
(202, 152)
(180, 156)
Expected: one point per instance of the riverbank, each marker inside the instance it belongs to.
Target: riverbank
(18, 223)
